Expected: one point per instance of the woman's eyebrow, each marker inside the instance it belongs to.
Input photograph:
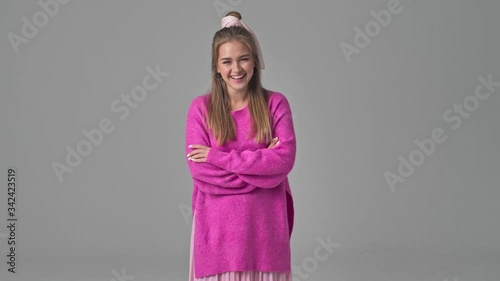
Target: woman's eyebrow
(245, 55)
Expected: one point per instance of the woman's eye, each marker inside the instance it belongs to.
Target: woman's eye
(226, 62)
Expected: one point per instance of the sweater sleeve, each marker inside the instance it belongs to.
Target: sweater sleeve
(264, 181)
(215, 189)
(210, 178)
(270, 165)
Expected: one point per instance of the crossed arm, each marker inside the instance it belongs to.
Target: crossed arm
(236, 172)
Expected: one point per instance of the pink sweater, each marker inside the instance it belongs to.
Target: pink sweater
(241, 195)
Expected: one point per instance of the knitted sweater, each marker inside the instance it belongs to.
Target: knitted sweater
(241, 194)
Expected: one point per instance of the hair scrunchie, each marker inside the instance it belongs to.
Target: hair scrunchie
(228, 21)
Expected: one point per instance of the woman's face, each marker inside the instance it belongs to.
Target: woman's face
(235, 60)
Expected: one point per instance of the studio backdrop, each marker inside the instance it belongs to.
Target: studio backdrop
(395, 107)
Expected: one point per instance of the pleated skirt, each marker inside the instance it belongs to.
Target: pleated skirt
(233, 275)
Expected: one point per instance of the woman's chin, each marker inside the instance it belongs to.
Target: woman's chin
(239, 87)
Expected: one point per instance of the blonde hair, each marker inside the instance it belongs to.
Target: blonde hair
(220, 120)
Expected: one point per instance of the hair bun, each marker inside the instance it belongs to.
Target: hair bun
(234, 14)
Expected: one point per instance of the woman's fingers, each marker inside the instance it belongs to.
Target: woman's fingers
(199, 153)
(198, 157)
(274, 142)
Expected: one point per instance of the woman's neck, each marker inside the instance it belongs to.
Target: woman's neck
(238, 99)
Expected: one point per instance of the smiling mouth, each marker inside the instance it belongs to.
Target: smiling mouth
(238, 78)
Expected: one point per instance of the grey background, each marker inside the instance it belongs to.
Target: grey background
(127, 205)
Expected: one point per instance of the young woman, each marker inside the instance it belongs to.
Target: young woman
(240, 145)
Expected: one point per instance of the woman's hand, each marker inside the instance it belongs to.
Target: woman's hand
(199, 154)
(274, 143)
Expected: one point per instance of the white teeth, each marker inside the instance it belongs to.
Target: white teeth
(238, 77)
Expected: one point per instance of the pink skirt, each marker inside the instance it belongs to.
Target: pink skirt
(233, 275)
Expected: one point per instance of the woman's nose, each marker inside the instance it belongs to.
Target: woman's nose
(236, 67)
